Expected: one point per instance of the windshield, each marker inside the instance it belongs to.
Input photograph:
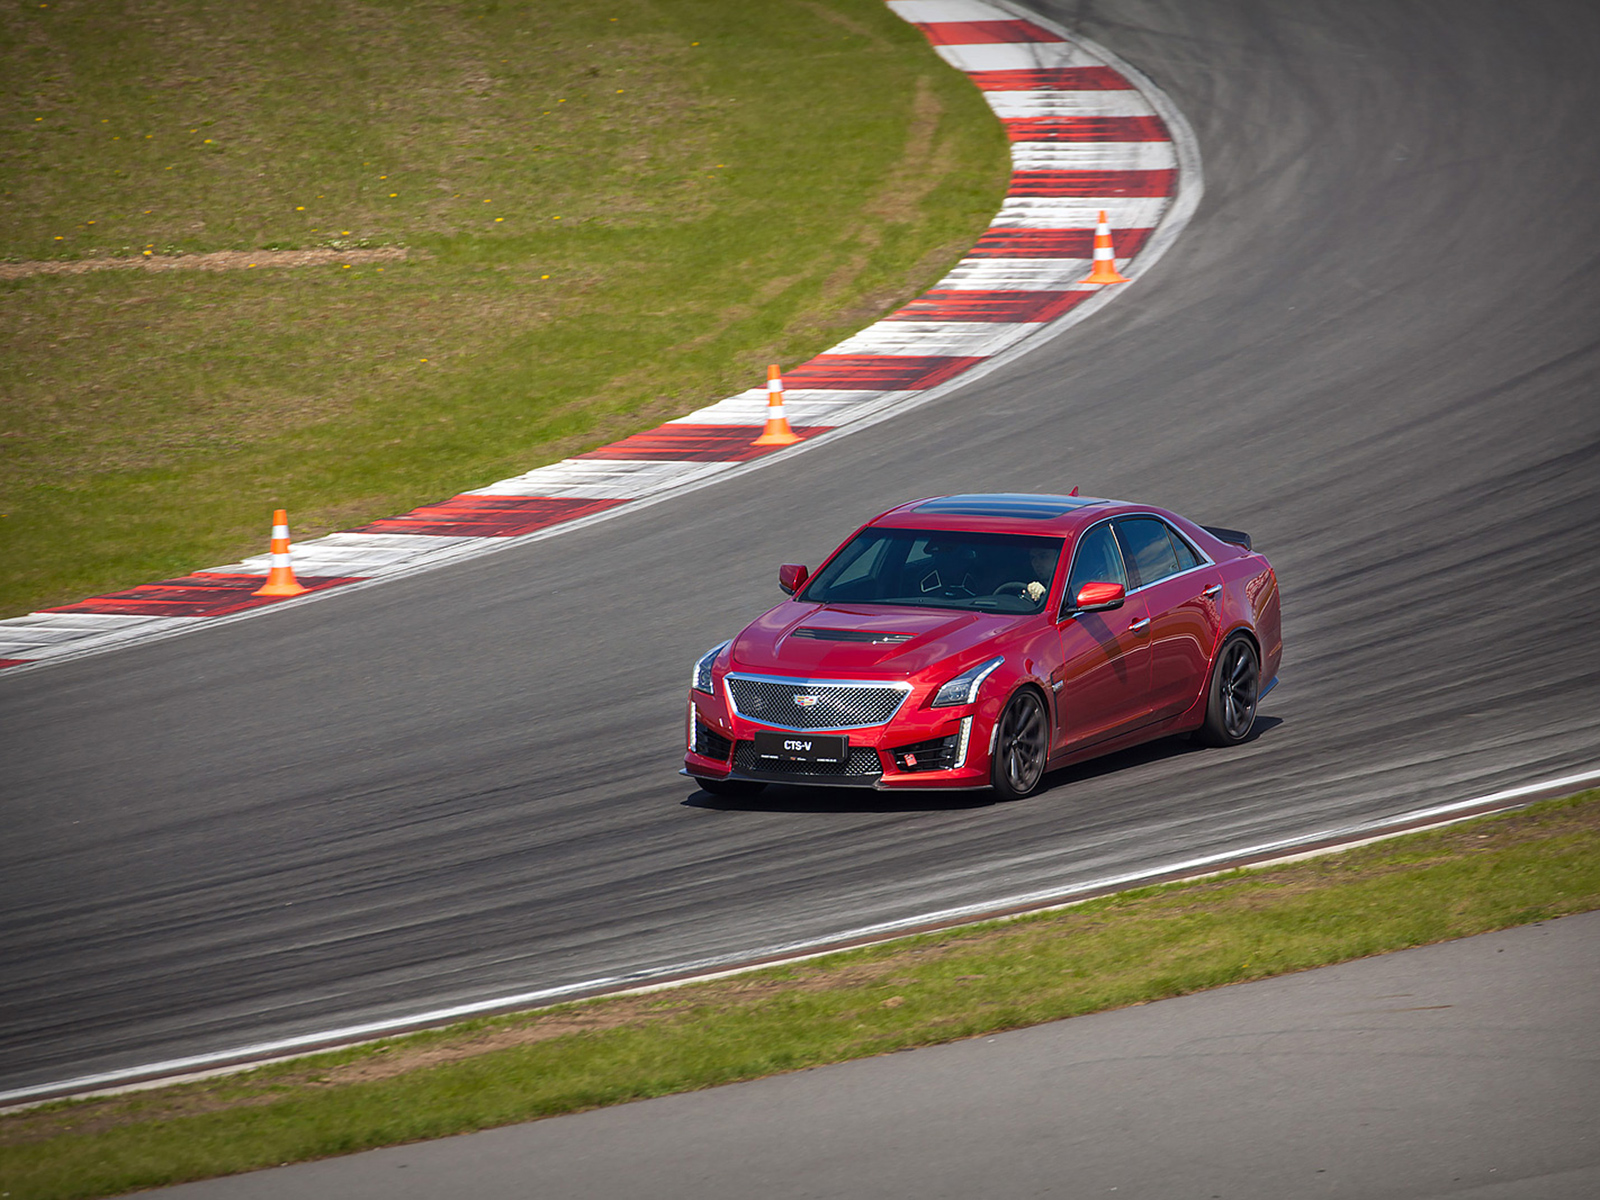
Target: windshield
(995, 572)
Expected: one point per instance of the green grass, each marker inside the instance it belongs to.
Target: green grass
(614, 213)
(1139, 946)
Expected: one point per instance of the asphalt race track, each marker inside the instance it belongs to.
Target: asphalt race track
(1376, 348)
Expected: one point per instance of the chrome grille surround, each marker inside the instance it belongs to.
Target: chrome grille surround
(838, 704)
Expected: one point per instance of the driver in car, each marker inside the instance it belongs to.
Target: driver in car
(1043, 561)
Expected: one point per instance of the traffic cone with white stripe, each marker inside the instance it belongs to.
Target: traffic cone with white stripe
(280, 579)
(1105, 259)
(777, 432)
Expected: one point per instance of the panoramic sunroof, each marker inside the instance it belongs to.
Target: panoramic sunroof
(1005, 504)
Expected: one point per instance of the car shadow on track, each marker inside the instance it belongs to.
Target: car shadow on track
(776, 798)
(1161, 750)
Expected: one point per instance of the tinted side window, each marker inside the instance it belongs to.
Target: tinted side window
(1187, 558)
(1147, 549)
(1097, 561)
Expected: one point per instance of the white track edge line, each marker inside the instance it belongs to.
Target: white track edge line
(1190, 189)
(1342, 837)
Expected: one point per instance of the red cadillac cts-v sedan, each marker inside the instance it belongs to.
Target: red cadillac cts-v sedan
(979, 641)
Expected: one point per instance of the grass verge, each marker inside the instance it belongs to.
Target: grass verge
(611, 213)
(1139, 946)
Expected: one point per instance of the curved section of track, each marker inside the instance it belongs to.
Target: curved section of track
(1374, 349)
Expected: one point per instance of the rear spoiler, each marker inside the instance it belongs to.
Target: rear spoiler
(1232, 536)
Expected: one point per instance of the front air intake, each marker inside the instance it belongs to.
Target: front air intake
(710, 743)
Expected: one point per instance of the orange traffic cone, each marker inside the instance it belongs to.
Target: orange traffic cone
(280, 579)
(777, 432)
(1105, 259)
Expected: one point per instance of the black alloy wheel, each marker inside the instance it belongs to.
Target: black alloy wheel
(1021, 747)
(1235, 688)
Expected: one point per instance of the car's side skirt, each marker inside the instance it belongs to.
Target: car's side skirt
(1183, 723)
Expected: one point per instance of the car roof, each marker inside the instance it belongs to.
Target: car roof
(1004, 512)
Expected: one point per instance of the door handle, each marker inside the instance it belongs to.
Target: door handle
(1140, 625)
(1212, 592)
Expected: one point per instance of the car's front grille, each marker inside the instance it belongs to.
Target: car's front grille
(710, 743)
(936, 754)
(862, 760)
(802, 704)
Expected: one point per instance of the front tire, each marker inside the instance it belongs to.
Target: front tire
(1021, 746)
(1232, 695)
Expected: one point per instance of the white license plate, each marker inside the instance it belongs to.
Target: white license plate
(800, 747)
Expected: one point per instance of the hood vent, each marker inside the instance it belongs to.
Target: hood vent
(851, 635)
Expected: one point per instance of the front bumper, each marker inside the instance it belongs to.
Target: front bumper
(920, 748)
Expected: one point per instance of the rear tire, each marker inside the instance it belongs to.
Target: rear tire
(732, 788)
(1020, 747)
(1232, 694)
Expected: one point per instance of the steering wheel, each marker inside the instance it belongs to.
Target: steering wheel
(1021, 586)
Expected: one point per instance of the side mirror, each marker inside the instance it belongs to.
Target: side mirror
(1099, 597)
(791, 576)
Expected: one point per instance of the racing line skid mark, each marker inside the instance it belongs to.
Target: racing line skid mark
(1086, 132)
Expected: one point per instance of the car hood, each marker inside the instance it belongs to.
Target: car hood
(842, 640)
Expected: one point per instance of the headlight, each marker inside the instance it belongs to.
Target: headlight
(702, 669)
(963, 689)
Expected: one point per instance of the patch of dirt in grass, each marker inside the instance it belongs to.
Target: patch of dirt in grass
(220, 260)
(837, 18)
(923, 164)
(381, 1062)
